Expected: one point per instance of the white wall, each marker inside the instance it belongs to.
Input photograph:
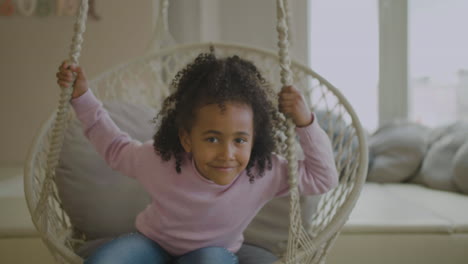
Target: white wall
(31, 48)
(240, 21)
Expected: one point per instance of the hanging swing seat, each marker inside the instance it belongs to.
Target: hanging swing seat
(149, 79)
(142, 84)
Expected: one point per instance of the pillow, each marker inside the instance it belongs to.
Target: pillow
(460, 168)
(87, 186)
(439, 132)
(437, 169)
(398, 149)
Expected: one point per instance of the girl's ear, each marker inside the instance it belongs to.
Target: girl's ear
(185, 141)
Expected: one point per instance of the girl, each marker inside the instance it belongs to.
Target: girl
(209, 168)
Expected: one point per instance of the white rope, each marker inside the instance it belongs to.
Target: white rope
(164, 14)
(161, 36)
(62, 112)
(298, 237)
(287, 9)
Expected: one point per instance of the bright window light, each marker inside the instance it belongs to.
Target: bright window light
(344, 50)
(438, 61)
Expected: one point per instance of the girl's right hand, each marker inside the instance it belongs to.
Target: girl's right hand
(65, 78)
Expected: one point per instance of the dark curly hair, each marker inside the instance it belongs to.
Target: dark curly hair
(209, 80)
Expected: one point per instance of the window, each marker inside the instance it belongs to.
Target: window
(343, 37)
(438, 61)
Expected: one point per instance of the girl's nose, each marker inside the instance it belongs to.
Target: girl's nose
(227, 152)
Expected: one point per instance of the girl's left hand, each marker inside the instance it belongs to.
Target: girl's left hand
(292, 104)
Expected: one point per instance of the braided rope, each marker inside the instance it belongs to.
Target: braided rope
(62, 113)
(164, 14)
(161, 36)
(287, 10)
(298, 237)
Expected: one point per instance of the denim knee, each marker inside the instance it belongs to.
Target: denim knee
(208, 255)
(130, 248)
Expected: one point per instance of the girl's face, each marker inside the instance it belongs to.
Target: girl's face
(220, 140)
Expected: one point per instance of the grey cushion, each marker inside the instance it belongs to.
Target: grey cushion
(102, 202)
(442, 131)
(438, 165)
(398, 149)
(460, 168)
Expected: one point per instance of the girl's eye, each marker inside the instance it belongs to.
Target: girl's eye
(240, 140)
(212, 139)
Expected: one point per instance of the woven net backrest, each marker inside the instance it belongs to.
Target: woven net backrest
(146, 81)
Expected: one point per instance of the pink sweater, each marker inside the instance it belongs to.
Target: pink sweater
(187, 211)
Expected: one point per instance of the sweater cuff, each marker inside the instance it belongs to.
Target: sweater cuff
(84, 102)
(310, 130)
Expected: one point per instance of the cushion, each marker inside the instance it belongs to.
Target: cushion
(438, 165)
(398, 149)
(448, 206)
(88, 187)
(439, 132)
(380, 211)
(460, 168)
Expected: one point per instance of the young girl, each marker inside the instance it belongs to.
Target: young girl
(210, 167)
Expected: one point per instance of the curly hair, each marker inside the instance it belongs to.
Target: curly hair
(209, 80)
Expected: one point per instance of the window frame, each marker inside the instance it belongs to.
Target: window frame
(393, 61)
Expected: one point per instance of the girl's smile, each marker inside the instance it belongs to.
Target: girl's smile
(220, 140)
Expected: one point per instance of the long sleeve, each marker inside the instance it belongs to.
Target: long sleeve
(121, 152)
(317, 173)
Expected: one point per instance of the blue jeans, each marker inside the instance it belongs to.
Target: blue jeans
(137, 248)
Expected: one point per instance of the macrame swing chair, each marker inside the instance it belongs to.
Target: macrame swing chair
(156, 69)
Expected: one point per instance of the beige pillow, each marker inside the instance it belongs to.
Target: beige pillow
(99, 201)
